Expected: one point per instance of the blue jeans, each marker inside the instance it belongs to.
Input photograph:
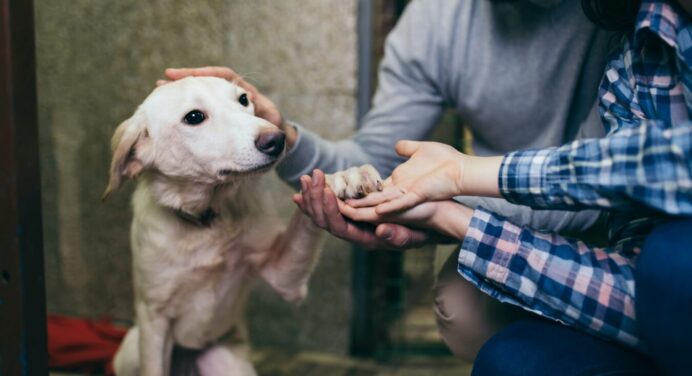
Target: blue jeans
(663, 305)
(538, 347)
(663, 281)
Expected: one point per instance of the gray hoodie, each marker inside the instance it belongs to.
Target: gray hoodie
(520, 75)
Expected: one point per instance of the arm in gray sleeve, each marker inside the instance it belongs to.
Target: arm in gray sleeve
(407, 105)
(572, 222)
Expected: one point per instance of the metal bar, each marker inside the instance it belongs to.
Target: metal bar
(362, 260)
(365, 58)
(22, 290)
(376, 302)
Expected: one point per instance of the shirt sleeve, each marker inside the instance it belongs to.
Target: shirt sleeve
(648, 164)
(566, 280)
(408, 104)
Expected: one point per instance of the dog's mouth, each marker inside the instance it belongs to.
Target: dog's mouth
(227, 173)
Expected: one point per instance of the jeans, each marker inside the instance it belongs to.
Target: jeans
(538, 347)
(663, 306)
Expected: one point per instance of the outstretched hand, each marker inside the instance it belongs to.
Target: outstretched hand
(433, 172)
(318, 202)
(447, 218)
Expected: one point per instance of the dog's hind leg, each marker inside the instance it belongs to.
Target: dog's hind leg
(126, 361)
(224, 359)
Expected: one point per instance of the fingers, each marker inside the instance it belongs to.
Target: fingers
(401, 237)
(298, 199)
(223, 72)
(316, 195)
(366, 214)
(406, 148)
(335, 222)
(365, 236)
(405, 201)
(305, 183)
(161, 82)
(375, 198)
(321, 204)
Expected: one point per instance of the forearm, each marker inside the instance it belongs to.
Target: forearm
(649, 164)
(406, 105)
(309, 152)
(561, 221)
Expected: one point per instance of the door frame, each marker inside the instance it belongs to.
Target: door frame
(23, 339)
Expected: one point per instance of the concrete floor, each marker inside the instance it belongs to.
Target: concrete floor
(276, 363)
(281, 363)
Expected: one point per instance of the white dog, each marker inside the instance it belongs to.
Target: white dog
(198, 234)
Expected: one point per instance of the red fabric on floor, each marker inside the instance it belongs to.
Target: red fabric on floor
(82, 345)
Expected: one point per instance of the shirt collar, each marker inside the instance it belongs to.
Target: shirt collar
(664, 18)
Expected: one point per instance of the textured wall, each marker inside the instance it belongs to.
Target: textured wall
(98, 59)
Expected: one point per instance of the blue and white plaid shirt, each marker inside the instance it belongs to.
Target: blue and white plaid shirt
(641, 172)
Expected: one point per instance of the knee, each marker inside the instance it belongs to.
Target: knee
(467, 318)
(462, 337)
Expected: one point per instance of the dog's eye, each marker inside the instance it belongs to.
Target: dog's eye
(243, 100)
(194, 117)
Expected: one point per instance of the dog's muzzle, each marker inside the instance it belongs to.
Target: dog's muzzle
(271, 143)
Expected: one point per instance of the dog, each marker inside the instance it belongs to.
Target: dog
(199, 235)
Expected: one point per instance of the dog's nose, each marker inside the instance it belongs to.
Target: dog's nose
(271, 142)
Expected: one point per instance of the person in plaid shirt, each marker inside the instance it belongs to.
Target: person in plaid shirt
(641, 172)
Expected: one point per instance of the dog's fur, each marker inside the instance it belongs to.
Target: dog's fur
(199, 234)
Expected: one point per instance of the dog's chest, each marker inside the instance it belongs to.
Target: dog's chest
(208, 303)
(174, 259)
(203, 292)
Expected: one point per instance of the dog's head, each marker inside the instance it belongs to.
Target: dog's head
(201, 129)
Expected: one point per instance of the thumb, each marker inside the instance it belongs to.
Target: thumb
(175, 73)
(401, 237)
(406, 148)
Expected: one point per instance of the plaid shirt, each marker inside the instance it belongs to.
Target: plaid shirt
(641, 171)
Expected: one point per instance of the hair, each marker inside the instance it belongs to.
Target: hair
(612, 15)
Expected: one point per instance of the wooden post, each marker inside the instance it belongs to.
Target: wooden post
(22, 290)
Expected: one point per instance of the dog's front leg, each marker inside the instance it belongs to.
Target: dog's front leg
(297, 249)
(293, 257)
(155, 343)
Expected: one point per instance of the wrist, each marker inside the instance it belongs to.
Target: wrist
(479, 176)
(452, 219)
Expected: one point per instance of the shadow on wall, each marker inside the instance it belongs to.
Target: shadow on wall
(98, 60)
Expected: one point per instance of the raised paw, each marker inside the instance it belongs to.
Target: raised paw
(356, 182)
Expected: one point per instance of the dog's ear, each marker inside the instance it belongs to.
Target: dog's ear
(130, 136)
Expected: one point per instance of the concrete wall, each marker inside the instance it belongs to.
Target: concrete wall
(98, 59)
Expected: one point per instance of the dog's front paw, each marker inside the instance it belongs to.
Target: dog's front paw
(356, 182)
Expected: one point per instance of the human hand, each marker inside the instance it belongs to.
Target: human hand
(264, 107)
(433, 172)
(448, 218)
(318, 202)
